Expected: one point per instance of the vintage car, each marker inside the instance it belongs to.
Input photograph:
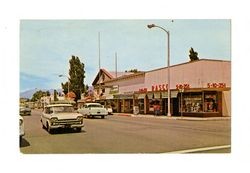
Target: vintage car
(21, 128)
(24, 110)
(93, 110)
(61, 116)
(110, 110)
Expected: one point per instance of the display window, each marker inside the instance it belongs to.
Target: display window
(192, 102)
(211, 102)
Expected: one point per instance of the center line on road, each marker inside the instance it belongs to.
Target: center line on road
(200, 149)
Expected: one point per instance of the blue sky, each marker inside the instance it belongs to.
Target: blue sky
(47, 45)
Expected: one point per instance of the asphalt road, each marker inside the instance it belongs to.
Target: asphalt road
(121, 134)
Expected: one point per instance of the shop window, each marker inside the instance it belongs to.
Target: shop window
(211, 102)
(192, 102)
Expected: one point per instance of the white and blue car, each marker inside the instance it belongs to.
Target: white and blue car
(93, 110)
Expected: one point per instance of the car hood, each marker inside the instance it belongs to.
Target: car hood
(66, 115)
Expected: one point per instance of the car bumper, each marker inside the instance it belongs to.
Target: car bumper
(67, 126)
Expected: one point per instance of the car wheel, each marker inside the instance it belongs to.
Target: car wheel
(78, 129)
(20, 140)
(102, 116)
(49, 129)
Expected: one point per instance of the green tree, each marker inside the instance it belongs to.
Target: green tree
(47, 93)
(193, 55)
(76, 77)
(55, 95)
(37, 95)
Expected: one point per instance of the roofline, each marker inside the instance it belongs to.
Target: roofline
(61, 104)
(204, 59)
(126, 76)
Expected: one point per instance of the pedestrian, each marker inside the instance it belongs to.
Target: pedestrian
(157, 109)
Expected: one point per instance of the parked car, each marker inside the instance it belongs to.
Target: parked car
(24, 110)
(61, 116)
(93, 110)
(110, 110)
(21, 128)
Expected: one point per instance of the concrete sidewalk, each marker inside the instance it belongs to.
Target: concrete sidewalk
(172, 117)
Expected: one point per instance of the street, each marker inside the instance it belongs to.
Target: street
(122, 134)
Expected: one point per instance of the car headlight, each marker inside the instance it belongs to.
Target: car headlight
(54, 119)
(79, 118)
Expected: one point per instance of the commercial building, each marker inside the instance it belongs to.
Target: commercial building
(197, 88)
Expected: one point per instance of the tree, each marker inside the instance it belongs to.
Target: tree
(38, 95)
(193, 55)
(132, 70)
(47, 93)
(55, 95)
(76, 77)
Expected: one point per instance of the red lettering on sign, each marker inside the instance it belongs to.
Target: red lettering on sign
(216, 85)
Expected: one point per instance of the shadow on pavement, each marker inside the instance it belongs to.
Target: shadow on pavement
(24, 143)
(66, 131)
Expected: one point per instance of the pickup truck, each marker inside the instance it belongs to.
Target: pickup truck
(93, 110)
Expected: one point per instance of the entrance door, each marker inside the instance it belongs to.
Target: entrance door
(175, 107)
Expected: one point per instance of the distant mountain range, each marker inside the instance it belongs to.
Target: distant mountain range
(29, 93)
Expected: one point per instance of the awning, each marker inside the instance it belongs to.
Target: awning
(141, 96)
(157, 95)
(150, 95)
(173, 94)
(126, 96)
(164, 95)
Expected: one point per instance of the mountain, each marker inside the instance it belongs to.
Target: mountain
(29, 93)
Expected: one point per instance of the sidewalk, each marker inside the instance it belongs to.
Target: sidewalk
(172, 117)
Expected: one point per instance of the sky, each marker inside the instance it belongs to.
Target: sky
(47, 45)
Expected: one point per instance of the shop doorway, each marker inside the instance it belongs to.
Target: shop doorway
(175, 107)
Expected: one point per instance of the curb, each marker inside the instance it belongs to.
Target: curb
(174, 117)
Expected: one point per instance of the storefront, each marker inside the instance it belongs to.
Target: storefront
(201, 88)
(201, 103)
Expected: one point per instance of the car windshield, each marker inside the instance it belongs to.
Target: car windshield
(95, 106)
(61, 109)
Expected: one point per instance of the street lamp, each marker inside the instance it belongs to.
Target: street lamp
(168, 59)
(61, 75)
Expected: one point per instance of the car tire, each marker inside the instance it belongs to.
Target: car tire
(102, 116)
(49, 129)
(78, 129)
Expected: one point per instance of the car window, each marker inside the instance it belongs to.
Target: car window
(60, 109)
(95, 106)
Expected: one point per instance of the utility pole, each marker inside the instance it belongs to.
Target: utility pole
(115, 65)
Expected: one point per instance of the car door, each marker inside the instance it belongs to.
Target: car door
(46, 115)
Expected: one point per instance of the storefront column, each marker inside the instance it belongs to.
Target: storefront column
(123, 105)
(145, 105)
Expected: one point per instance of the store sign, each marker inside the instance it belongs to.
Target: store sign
(216, 85)
(160, 87)
(114, 89)
(143, 90)
(182, 86)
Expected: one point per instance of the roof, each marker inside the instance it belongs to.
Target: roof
(185, 63)
(57, 105)
(110, 75)
(93, 104)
